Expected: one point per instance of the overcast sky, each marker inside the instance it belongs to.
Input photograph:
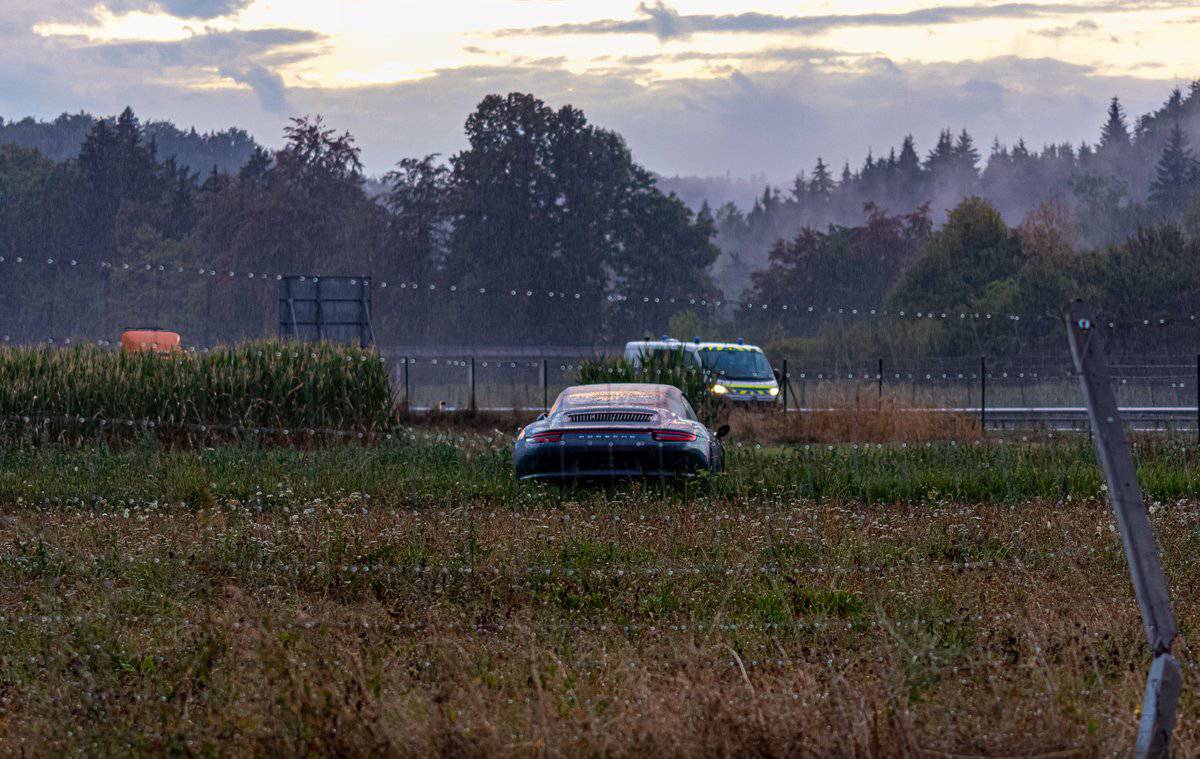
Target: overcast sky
(696, 86)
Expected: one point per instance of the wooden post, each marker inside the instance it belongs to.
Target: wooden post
(1137, 535)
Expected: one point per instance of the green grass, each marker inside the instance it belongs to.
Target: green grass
(477, 468)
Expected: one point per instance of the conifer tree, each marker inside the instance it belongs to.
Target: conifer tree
(821, 183)
(965, 154)
(908, 164)
(1115, 134)
(1174, 176)
(943, 153)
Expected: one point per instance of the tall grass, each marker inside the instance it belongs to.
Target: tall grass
(661, 367)
(415, 600)
(267, 384)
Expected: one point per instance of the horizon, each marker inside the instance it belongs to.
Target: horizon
(755, 179)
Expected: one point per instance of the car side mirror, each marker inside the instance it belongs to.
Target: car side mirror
(540, 417)
(778, 376)
(722, 431)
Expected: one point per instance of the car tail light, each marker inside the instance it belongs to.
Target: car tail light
(674, 436)
(546, 437)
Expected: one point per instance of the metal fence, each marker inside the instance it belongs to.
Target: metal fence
(1002, 393)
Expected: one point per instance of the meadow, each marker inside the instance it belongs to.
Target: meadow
(927, 597)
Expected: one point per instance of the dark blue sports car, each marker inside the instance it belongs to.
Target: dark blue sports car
(618, 430)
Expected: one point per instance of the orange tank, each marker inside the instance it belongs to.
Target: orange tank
(152, 340)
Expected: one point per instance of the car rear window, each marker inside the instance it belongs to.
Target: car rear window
(601, 396)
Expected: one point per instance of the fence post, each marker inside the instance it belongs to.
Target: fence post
(545, 385)
(982, 395)
(472, 402)
(1141, 552)
(784, 389)
(1198, 399)
(879, 377)
(407, 400)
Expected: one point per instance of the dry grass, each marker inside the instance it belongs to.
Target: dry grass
(888, 421)
(614, 622)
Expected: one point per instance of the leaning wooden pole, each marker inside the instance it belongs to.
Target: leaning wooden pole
(1141, 551)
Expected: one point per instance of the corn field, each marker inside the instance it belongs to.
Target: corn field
(260, 384)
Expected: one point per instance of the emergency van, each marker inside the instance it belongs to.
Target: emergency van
(738, 371)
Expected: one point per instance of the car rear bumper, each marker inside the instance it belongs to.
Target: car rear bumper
(599, 460)
(608, 474)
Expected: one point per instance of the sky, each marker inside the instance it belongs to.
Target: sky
(697, 87)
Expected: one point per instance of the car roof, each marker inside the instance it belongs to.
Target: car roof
(620, 394)
(661, 345)
(689, 346)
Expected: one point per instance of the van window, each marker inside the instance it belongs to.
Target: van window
(737, 364)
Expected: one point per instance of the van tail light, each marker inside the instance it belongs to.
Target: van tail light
(546, 437)
(674, 436)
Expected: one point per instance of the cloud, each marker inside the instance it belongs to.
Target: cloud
(245, 57)
(267, 84)
(666, 23)
(774, 54)
(44, 75)
(210, 48)
(201, 9)
(1082, 27)
(772, 122)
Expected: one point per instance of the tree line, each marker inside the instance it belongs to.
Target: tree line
(544, 230)
(1117, 224)
(541, 204)
(1134, 175)
(61, 138)
(897, 287)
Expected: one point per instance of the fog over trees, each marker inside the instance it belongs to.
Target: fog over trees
(1111, 186)
(544, 230)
